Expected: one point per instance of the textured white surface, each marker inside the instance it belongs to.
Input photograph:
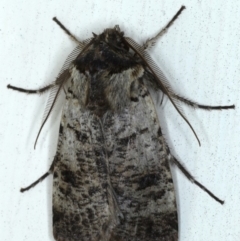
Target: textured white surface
(200, 56)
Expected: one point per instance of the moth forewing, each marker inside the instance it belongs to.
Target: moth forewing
(111, 173)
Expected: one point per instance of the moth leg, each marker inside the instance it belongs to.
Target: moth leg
(67, 31)
(61, 79)
(150, 42)
(192, 179)
(36, 182)
(196, 105)
(29, 91)
(39, 179)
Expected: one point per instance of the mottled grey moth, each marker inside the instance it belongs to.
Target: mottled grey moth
(111, 172)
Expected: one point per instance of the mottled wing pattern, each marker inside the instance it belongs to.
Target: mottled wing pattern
(140, 174)
(112, 180)
(83, 205)
(111, 176)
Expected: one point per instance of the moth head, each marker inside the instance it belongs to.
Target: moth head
(113, 37)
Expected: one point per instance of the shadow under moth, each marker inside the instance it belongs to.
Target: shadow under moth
(111, 171)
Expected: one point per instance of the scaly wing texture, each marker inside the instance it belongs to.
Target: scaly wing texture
(140, 174)
(112, 180)
(83, 203)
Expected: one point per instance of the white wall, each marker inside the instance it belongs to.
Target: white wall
(199, 54)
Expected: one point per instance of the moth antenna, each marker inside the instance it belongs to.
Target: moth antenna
(150, 42)
(67, 32)
(139, 50)
(63, 78)
(48, 114)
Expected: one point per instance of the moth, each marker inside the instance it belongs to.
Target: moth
(111, 171)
